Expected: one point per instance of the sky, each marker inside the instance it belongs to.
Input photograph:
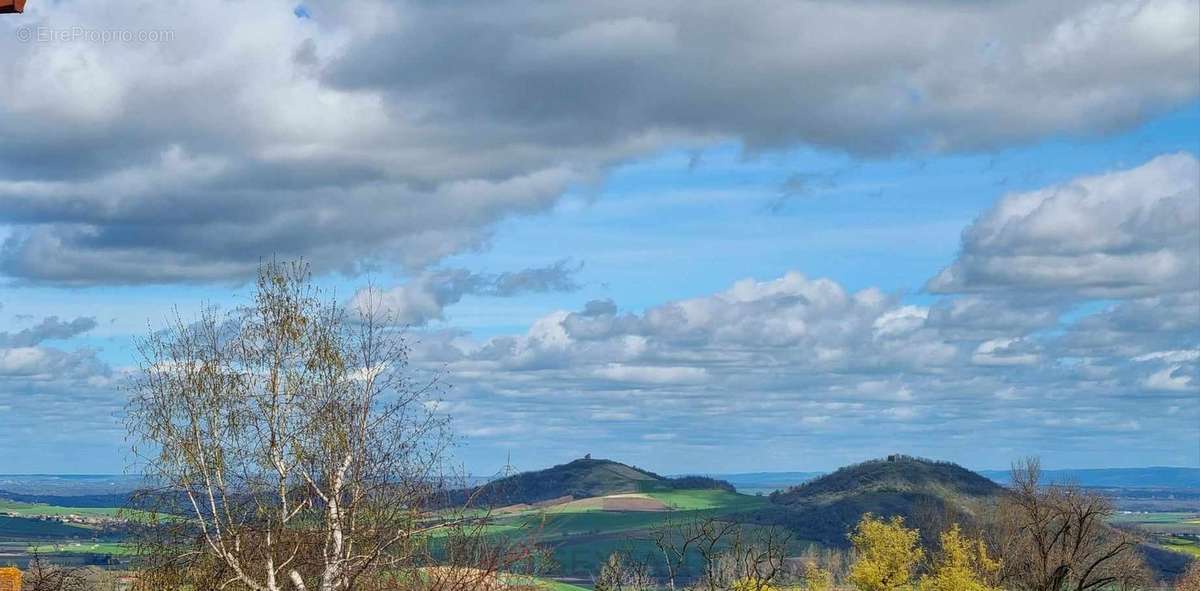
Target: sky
(686, 235)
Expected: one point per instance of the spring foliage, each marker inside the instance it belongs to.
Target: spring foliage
(962, 565)
(888, 554)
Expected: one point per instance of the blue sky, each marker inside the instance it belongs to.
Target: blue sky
(733, 272)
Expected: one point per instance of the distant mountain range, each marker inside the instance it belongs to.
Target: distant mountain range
(1154, 477)
(69, 484)
(588, 478)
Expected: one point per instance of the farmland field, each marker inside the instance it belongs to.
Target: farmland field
(1185, 545)
(1175, 531)
(39, 509)
(582, 535)
(1151, 518)
(1186, 523)
(99, 548)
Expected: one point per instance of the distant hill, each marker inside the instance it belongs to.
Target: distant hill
(583, 478)
(70, 485)
(765, 482)
(84, 501)
(926, 493)
(1153, 477)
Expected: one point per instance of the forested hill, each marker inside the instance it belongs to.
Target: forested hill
(896, 474)
(916, 489)
(582, 478)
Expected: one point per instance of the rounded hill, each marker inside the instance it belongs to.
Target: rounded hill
(585, 478)
(927, 494)
(895, 474)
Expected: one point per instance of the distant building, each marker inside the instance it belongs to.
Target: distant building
(10, 579)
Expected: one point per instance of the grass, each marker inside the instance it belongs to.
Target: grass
(523, 582)
(556, 523)
(1183, 545)
(1165, 527)
(41, 510)
(111, 548)
(582, 536)
(705, 500)
(557, 586)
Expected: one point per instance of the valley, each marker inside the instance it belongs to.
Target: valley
(584, 511)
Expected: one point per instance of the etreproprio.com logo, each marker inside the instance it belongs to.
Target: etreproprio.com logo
(41, 34)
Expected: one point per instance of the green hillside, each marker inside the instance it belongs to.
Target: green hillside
(585, 509)
(581, 479)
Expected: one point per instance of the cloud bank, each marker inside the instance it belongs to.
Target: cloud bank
(368, 132)
(1052, 355)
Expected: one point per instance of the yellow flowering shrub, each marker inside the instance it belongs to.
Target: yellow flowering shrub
(887, 554)
(962, 565)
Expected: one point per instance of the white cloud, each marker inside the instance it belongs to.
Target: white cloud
(56, 399)
(1005, 352)
(652, 375)
(1026, 362)
(425, 297)
(1127, 233)
(1170, 379)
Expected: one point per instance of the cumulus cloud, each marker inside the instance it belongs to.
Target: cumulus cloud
(1005, 352)
(795, 360)
(49, 328)
(373, 132)
(1126, 233)
(45, 387)
(23, 354)
(1017, 355)
(790, 321)
(424, 298)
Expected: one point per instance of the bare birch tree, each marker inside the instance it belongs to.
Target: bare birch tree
(292, 447)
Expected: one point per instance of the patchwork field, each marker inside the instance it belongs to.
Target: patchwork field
(583, 533)
(1178, 532)
(41, 509)
(66, 535)
(581, 512)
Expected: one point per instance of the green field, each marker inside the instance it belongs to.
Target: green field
(703, 500)
(557, 586)
(558, 522)
(581, 537)
(34, 510)
(1183, 545)
(1156, 518)
(1167, 530)
(108, 548)
(1161, 523)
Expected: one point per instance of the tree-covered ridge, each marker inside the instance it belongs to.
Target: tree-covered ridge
(925, 493)
(583, 478)
(898, 473)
